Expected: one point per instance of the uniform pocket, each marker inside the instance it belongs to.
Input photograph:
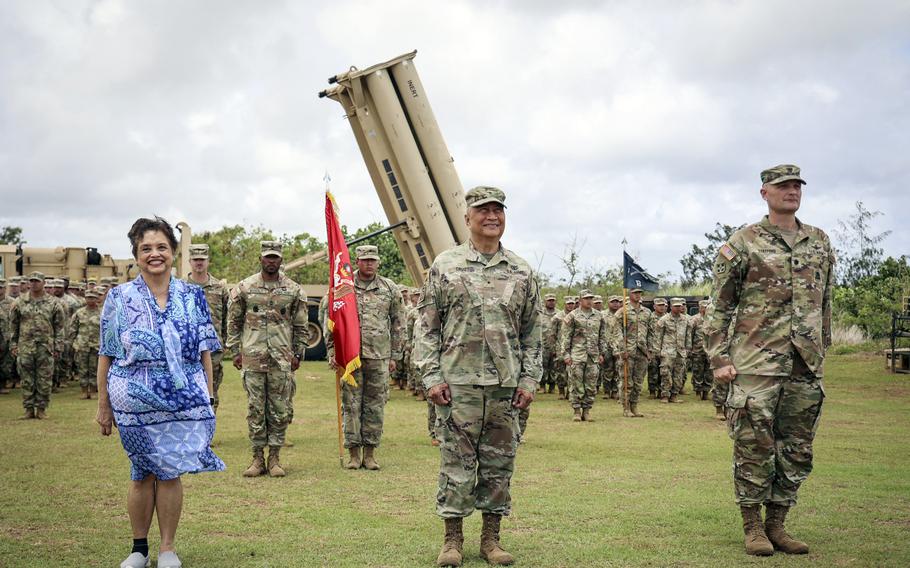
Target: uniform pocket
(736, 408)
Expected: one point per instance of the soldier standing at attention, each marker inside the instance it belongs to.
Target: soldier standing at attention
(266, 329)
(582, 345)
(216, 296)
(633, 339)
(698, 360)
(381, 333)
(548, 383)
(773, 280)
(84, 334)
(5, 368)
(36, 341)
(479, 353)
(674, 340)
(559, 366)
(660, 309)
(611, 384)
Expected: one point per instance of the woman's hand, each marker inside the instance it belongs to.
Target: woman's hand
(105, 417)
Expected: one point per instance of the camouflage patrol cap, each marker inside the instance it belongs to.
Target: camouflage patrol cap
(781, 173)
(270, 248)
(660, 301)
(56, 282)
(15, 279)
(199, 252)
(2, 281)
(677, 302)
(483, 194)
(92, 294)
(598, 298)
(704, 303)
(615, 298)
(549, 297)
(633, 290)
(586, 294)
(92, 280)
(569, 299)
(367, 252)
(77, 286)
(36, 276)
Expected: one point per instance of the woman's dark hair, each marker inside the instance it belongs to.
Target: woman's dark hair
(143, 226)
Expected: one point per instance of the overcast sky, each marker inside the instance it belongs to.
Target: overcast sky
(644, 120)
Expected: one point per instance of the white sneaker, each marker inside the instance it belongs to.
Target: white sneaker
(169, 559)
(136, 560)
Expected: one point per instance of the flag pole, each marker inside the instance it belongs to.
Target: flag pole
(625, 365)
(338, 374)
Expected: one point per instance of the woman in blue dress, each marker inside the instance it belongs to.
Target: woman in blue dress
(155, 386)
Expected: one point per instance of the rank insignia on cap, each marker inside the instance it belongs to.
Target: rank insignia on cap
(727, 252)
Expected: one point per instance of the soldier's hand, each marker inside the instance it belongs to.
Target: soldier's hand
(601, 359)
(295, 363)
(392, 365)
(105, 418)
(725, 374)
(440, 395)
(625, 356)
(238, 362)
(14, 352)
(568, 361)
(522, 399)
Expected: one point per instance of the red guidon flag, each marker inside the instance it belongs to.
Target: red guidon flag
(343, 322)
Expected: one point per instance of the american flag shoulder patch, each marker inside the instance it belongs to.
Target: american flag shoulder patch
(728, 252)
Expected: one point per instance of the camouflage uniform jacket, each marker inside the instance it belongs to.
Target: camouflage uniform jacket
(85, 329)
(410, 326)
(638, 333)
(674, 336)
(480, 321)
(381, 315)
(267, 321)
(697, 325)
(609, 329)
(778, 299)
(547, 323)
(583, 335)
(4, 325)
(554, 331)
(37, 322)
(216, 294)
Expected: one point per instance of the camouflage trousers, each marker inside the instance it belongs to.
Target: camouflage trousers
(672, 375)
(608, 375)
(36, 372)
(61, 367)
(267, 405)
(637, 364)
(583, 382)
(479, 433)
(719, 394)
(772, 421)
(85, 361)
(549, 375)
(701, 371)
(363, 406)
(654, 374)
(7, 367)
(559, 373)
(217, 374)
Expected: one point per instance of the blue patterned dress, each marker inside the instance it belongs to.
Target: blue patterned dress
(156, 383)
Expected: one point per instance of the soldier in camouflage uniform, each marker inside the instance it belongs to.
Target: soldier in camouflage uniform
(381, 333)
(560, 372)
(611, 381)
(9, 362)
(53, 287)
(633, 339)
(673, 337)
(400, 376)
(5, 368)
(266, 338)
(773, 281)
(480, 355)
(698, 359)
(660, 309)
(216, 296)
(583, 341)
(84, 334)
(548, 383)
(36, 340)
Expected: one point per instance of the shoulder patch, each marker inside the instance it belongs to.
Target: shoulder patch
(727, 251)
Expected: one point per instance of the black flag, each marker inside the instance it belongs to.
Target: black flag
(635, 276)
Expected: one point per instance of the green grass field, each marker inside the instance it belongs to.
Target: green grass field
(616, 492)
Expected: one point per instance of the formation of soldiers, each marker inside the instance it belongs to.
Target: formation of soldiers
(590, 349)
(49, 335)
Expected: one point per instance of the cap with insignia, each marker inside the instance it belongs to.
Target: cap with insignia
(598, 298)
(660, 301)
(677, 302)
(57, 283)
(199, 252)
(270, 248)
(15, 279)
(77, 286)
(36, 276)
(633, 290)
(586, 294)
(483, 194)
(781, 173)
(92, 280)
(568, 299)
(549, 297)
(615, 298)
(367, 252)
(92, 294)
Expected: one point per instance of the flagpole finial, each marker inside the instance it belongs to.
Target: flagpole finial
(624, 243)
(327, 178)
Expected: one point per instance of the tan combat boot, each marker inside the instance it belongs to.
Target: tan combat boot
(719, 413)
(577, 417)
(40, 414)
(775, 515)
(29, 414)
(586, 415)
(490, 550)
(369, 462)
(275, 469)
(633, 409)
(562, 393)
(452, 546)
(756, 542)
(354, 461)
(674, 399)
(256, 468)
